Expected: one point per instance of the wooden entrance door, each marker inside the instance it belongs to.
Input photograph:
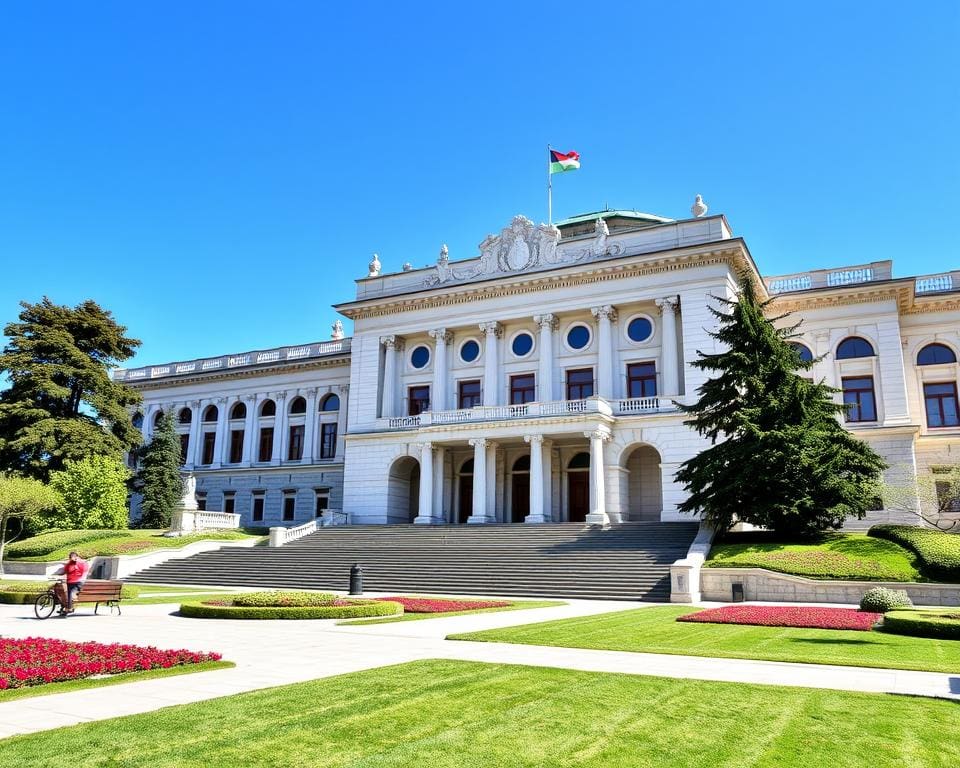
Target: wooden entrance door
(466, 498)
(578, 496)
(520, 497)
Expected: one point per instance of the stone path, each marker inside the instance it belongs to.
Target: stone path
(281, 652)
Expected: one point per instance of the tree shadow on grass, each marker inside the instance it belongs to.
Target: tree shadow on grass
(827, 641)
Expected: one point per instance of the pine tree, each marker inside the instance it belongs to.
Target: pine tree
(62, 404)
(779, 456)
(158, 478)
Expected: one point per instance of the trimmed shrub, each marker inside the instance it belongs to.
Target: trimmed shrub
(283, 599)
(881, 600)
(939, 624)
(354, 609)
(939, 552)
(19, 598)
(26, 592)
(45, 543)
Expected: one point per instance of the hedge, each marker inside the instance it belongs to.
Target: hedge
(940, 624)
(45, 543)
(939, 552)
(355, 611)
(284, 600)
(19, 598)
(24, 593)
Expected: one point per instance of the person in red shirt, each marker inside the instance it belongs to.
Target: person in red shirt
(75, 571)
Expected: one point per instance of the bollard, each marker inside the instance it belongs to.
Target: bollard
(356, 580)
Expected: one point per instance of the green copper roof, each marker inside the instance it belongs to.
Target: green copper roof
(640, 216)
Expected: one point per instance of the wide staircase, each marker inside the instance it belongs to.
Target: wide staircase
(623, 562)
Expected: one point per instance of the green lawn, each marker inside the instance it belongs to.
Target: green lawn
(518, 606)
(834, 556)
(449, 714)
(655, 630)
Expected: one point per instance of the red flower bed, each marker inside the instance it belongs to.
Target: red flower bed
(39, 660)
(787, 616)
(440, 605)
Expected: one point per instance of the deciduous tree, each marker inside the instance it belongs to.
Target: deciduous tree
(94, 492)
(24, 498)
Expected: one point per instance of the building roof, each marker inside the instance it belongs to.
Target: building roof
(639, 217)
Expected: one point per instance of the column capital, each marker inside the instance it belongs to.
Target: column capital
(441, 335)
(311, 392)
(533, 439)
(249, 398)
(605, 311)
(479, 442)
(194, 404)
(493, 328)
(598, 434)
(667, 303)
(344, 388)
(547, 322)
(428, 446)
(221, 401)
(392, 342)
(281, 396)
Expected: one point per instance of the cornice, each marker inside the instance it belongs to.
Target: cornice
(244, 373)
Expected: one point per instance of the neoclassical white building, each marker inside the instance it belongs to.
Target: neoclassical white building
(537, 382)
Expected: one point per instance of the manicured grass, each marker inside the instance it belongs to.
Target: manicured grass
(449, 714)
(126, 677)
(175, 597)
(517, 606)
(939, 552)
(146, 590)
(57, 545)
(656, 630)
(834, 556)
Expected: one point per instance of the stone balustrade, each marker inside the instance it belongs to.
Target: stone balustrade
(184, 521)
(281, 535)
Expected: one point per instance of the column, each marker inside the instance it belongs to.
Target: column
(479, 513)
(670, 375)
(491, 385)
(536, 479)
(439, 466)
(249, 438)
(342, 420)
(193, 449)
(598, 501)
(605, 315)
(309, 427)
(438, 395)
(392, 345)
(548, 324)
(494, 460)
(220, 448)
(146, 429)
(279, 428)
(425, 513)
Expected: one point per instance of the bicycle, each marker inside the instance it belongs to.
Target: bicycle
(49, 601)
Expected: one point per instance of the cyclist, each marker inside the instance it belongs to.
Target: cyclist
(75, 573)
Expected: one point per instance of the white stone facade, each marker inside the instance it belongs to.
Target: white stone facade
(538, 382)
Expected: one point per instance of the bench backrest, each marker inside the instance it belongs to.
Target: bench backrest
(95, 590)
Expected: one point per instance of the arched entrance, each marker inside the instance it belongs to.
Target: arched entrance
(641, 489)
(578, 488)
(520, 490)
(465, 492)
(403, 490)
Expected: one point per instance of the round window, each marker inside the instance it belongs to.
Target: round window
(578, 337)
(522, 344)
(420, 357)
(639, 329)
(470, 351)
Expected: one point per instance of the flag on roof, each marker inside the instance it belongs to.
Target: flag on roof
(560, 162)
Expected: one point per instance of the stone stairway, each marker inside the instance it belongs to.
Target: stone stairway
(623, 562)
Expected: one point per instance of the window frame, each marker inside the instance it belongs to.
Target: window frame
(532, 389)
(295, 442)
(328, 440)
(478, 396)
(265, 439)
(858, 405)
(423, 403)
(647, 377)
(939, 398)
(288, 508)
(208, 451)
(236, 446)
(571, 385)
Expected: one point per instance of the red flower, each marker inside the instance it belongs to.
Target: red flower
(787, 616)
(443, 605)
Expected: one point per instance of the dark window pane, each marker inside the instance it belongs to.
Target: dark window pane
(289, 508)
(858, 395)
(854, 347)
(229, 503)
(210, 414)
(578, 337)
(236, 446)
(580, 384)
(330, 403)
(522, 344)
(470, 351)
(269, 408)
(522, 389)
(420, 357)
(642, 380)
(469, 394)
(258, 508)
(803, 350)
(239, 411)
(295, 447)
(209, 443)
(418, 400)
(266, 444)
(185, 416)
(640, 329)
(299, 405)
(935, 354)
(184, 448)
(328, 440)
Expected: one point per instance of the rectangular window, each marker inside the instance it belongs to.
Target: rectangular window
(209, 443)
(580, 384)
(418, 400)
(295, 448)
(202, 502)
(468, 394)
(229, 503)
(523, 389)
(859, 398)
(184, 448)
(289, 507)
(642, 380)
(328, 440)
(323, 502)
(236, 446)
(258, 507)
(947, 500)
(941, 404)
(266, 444)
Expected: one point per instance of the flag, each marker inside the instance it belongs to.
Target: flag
(560, 162)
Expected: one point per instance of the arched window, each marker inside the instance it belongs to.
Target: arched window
(138, 420)
(299, 405)
(185, 416)
(269, 408)
(935, 354)
(156, 418)
(239, 411)
(580, 461)
(330, 403)
(210, 413)
(803, 350)
(467, 467)
(854, 346)
(522, 464)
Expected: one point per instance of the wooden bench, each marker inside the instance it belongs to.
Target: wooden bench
(100, 591)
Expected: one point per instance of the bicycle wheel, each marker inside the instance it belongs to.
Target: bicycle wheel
(45, 605)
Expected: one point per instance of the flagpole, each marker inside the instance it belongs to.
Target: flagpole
(549, 189)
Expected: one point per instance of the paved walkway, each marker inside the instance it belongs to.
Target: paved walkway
(270, 653)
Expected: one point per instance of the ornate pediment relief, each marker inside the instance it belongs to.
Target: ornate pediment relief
(522, 247)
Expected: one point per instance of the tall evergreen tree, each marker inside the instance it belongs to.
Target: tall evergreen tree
(158, 478)
(779, 456)
(62, 404)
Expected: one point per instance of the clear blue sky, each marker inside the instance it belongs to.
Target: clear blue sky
(218, 173)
